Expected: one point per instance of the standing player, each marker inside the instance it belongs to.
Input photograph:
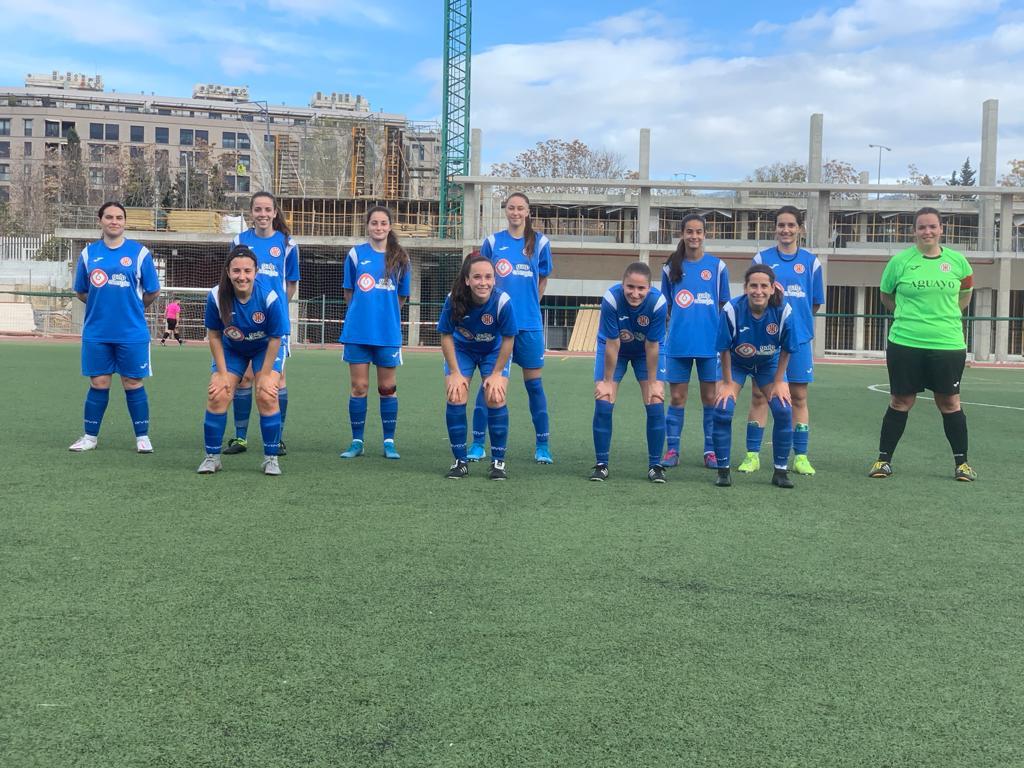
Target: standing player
(696, 285)
(478, 330)
(376, 286)
(277, 255)
(171, 314)
(631, 330)
(927, 287)
(799, 273)
(245, 321)
(522, 262)
(756, 338)
(116, 280)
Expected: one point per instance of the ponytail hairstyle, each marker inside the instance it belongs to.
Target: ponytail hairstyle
(226, 289)
(675, 261)
(462, 297)
(396, 258)
(529, 237)
(777, 294)
(278, 224)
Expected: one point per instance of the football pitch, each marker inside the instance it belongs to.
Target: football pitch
(371, 613)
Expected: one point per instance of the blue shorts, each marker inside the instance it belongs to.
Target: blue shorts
(102, 358)
(801, 364)
(639, 365)
(469, 363)
(528, 351)
(763, 377)
(237, 362)
(678, 369)
(286, 344)
(382, 357)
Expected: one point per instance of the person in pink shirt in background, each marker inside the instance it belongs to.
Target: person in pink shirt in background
(171, 316)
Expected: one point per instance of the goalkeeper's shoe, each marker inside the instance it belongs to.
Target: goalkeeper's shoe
(751, 463)
(880, 469)
(965, 474)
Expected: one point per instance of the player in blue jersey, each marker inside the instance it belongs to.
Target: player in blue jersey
(116, 280)
(246, 319)
(756, 338)
(377, 276)
(799, 273)
(696, 285)
(631, 330)
(522, 262)
(478, 330)
(277, 255)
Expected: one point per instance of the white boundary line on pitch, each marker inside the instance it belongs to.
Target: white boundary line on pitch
(879, 388)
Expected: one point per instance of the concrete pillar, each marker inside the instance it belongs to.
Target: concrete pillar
(983, 328)
(415, 281)
(987, 174)
(742, 225)
(643, 212)
(862, 227)
(1002, 290)
(859, 304)
(820, 229)
(1006, 223)
(814, 160)
(471, 197)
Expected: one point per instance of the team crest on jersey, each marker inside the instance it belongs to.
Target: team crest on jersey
(126, 261)
(98, 278)
(625, 335)
(798, 268)
(233, 333)
(366, 282)
(771, 329)
(684, 298)
(258, 317)
(944, 267)
(503, 267)
(705, 274)
(487, 319)
(275, 251)
(643, 321)
(746, 350)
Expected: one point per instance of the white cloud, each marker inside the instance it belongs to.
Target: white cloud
(347, 11)
(1009, 38)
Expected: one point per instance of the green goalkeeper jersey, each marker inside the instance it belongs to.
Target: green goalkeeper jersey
(927, 291)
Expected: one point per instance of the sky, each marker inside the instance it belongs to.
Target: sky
(724, 88)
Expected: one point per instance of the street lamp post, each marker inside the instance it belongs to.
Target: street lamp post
(878, 178)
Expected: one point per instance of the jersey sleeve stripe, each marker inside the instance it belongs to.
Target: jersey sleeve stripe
(610, 298)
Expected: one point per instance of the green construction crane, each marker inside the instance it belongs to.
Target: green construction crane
(458, 24)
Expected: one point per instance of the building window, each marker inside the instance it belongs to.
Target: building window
(5, 126)
(243, 141)
(51, 128)
(5, 149)
(137, 153)
(28, 149)
(245, 161)
(5, 194)
(202, 137)
(113, 132)
(215, 115)
(161, 136)
(138, 133)
(185, 137)
(95, 153)
(96, 131)
(66, 126)
(96, 177)
(227, 140)
(163, 111)
(132, 108)
(5, 172)
(185, 159)
(28, 126)
(162, 158)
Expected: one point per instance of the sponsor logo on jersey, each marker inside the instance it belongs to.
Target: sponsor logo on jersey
(923, 284)
(366, 282)
(684, 299)
(487, 319)
(945, 266)
(704, 298)
(126, 261)
(464, 333)
(233, 333)
(625, 335)
(258, 317)
(798, 268)
(746, 350)
(795, 291)
(771, 329)
(275, 251)
(120, 280)
(98, 278)
(268, 269)
(503, 267)
(643, 321)
(705, 274)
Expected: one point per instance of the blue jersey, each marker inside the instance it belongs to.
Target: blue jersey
(115, 280)
(253, 323)
(481, 331)
(277, 257)
(754, 343)
(373, 316)
(696, 298)
(518, 275)
(800, 276)
(632, 326)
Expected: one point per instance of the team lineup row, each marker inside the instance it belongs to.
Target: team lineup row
(492, 319)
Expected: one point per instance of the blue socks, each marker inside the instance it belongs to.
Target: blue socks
(357, 416)
(801, 437)
(674, 425)
(755, 434)
(655, 432)
(709, 428)
(388, 415)
(214, 426)
(455, 418)
(242, 403)
(270, 428)
(497, 422)
(480, 418)
(282, 402)
(538, 409)
(602, 430)
(95, 406)
(782, 432)
(723, 432)
(138, 409)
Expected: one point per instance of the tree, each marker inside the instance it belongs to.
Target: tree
(795, 172)
(137, 180)
(965, 179)
(73, 186)
(916, 178)
(556, 158)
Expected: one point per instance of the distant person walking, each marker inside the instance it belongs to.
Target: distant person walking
(171, 315)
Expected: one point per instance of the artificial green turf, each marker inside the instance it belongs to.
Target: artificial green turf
(367, 612)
